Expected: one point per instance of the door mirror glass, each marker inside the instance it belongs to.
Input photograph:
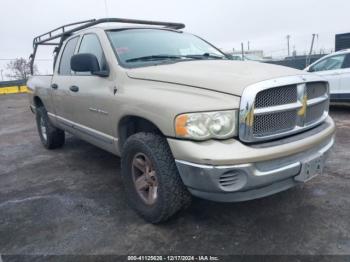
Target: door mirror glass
(90, 44)
(310, 69)
(86, 63)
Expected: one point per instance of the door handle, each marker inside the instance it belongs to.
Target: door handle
(54, 86)
(74, 88)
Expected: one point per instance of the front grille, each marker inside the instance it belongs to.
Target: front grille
(282, 110)
(314, 112)
(275, 122)
(276, 96)
(314, 90)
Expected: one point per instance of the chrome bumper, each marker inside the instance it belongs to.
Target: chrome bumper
(246, 181)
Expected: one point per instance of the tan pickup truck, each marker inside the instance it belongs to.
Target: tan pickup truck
(185, 119)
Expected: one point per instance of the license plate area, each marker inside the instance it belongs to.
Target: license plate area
(310, 168)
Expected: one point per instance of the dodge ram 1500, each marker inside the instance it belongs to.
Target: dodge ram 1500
(184, 118)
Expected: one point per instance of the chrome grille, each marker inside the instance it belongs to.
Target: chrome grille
(314, 112)
(276, 96)
(280, 107)
(316, 89)
(275, 122)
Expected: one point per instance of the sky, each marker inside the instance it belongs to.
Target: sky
(225, 23)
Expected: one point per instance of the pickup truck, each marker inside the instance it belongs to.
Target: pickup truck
(184, 118)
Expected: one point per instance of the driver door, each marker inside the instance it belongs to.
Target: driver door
(93, 97)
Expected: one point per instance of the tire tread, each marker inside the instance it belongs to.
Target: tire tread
(174, 193)
(55, 136)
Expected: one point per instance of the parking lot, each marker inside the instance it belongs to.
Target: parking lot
(71, 201)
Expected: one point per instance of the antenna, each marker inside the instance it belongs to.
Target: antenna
(288, 38)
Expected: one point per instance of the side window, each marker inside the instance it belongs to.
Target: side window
(346, 63)
(90, 44)
(330, 63)
(68, 52)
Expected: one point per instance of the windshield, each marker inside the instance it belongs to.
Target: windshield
(140, 47)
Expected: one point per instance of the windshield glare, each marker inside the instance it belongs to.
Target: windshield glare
(135, 43)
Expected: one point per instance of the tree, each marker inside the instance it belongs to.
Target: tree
(19, 69)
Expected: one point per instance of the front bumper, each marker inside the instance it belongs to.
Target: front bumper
(255, 179)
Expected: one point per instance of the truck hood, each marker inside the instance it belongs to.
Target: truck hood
(224, 76)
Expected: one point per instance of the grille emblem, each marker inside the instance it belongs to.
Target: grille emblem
(302, 110)
(302, 99)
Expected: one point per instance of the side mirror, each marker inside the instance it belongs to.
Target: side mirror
(309, 69)
(86, 63)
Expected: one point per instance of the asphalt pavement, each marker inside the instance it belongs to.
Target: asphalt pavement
(71, 201)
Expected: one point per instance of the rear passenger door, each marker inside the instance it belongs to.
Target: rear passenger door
(61, 81)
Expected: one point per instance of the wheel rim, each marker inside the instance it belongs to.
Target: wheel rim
(43, 129)
(145, 178)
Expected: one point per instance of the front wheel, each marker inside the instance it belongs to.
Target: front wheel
(152, 183)
(50, 136)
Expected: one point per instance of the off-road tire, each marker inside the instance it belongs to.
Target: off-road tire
(172, 193)
(55, 137)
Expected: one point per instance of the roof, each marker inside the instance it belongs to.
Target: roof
(342, 51)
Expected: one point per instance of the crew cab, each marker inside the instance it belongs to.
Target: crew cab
(184, 118)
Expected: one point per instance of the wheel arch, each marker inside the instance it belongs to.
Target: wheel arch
(131, 124)
(38, 102)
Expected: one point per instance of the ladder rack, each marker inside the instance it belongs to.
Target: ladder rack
(64, 31)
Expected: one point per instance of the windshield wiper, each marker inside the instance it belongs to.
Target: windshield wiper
(204, 56)
(153, 58)
(166, 57)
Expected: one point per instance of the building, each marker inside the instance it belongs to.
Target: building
(342, 41)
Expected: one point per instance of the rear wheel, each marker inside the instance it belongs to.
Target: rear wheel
(152, 183)
(51, 137)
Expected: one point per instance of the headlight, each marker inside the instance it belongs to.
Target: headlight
(202, 126)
